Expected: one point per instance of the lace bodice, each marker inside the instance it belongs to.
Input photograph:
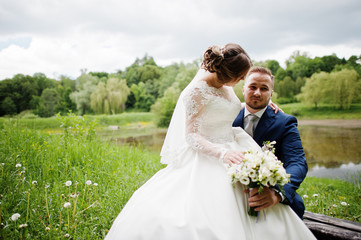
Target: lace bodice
(210, 113)
(202, 121)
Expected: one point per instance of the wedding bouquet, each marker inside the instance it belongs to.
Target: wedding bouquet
(259, 168)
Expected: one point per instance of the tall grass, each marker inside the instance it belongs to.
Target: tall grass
(68, 185)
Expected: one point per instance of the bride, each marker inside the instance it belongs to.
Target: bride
(193, 198)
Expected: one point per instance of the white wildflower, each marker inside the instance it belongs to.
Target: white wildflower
(47, 185)
(334, 205)
(345, 204)
(68, 183)
(305, 196)
(315, 195)
(67, 235)
(23, 225)
(88, 182)
(15, 216)
(47, 229)
(18, 165)
(34, 182)
(67, 204)
(95, 184)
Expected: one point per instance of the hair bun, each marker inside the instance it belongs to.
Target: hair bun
(212, 59)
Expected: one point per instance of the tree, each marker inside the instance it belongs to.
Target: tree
(48, 103)
(143, 100)
(85, 86)
(110, 97)
(164, 106)
(8, 106)
(314, 90)
(342, 87)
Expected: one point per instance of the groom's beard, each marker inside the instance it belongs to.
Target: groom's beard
(257, 103)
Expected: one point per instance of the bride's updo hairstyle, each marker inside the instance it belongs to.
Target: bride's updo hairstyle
(229, 62)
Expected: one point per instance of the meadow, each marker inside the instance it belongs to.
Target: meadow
(59, 179)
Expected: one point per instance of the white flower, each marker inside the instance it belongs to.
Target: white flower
(334, 205)
(34, 182)
(95, 184)
(15, 216)
(47, 229)
(73, 195)
(68, 183)
(18, 165)
(67, 204)
(88, 182)
(67, 235)
(305, 196)
(315, 195)
(2, 164)
(47, 185)
(345, 204)
(23, 225)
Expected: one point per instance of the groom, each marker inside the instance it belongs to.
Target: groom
(261, 122)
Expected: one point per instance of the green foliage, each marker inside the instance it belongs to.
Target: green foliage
(48, 103)
(85, 86)
(143, 100)
(338, 88)
(110, 97)
(164, 107)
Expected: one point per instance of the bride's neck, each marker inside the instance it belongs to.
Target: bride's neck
(212, 80)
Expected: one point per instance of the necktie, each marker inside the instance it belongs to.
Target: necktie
(249, 125)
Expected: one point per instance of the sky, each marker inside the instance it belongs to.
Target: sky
(63, 37)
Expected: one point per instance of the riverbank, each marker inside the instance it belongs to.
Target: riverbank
(344, 123)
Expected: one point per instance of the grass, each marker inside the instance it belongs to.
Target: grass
(35, 167)
(332, 197)
(302, 111)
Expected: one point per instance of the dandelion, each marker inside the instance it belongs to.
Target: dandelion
(334, 205)
(67, 204)
(73, 195)
(345, 204)
(34, 182)
(23, 225)
(68, 183)
(315, 195)
(2, 164)
(88, 182)
(67, 235)
(47, 229)
(15, 216)
(305, 196)
(95, 184)
(18, 165)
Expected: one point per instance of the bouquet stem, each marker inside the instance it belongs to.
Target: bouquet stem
(251, 210)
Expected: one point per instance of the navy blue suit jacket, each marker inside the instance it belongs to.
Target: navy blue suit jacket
(282, 128)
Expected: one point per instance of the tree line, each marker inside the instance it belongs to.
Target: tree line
(145, 86)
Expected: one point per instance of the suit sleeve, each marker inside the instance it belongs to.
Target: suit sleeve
(293, 157)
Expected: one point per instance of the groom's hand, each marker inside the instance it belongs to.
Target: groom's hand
(267, 198)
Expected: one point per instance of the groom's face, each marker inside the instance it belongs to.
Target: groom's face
(257, 90)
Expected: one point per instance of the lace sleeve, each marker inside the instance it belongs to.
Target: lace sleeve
(195, 104)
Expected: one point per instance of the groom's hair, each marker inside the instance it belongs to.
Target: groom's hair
(263, 70)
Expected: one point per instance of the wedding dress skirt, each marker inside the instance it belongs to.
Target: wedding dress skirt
(198, 201)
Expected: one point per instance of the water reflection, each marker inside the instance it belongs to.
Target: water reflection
(331, 151)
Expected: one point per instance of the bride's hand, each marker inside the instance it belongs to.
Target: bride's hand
(233, 157)
(274, 107)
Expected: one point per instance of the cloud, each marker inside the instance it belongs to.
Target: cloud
(62, 37)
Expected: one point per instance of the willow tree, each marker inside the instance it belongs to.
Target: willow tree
(110, 97)
(314, 89)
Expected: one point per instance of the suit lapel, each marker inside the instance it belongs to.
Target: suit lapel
(266, 120)
(238, 122)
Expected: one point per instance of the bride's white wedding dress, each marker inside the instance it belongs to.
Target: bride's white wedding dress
(193, 198)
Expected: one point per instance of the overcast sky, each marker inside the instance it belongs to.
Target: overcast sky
(61, 37)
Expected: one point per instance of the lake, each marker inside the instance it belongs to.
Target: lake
(332, 151)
